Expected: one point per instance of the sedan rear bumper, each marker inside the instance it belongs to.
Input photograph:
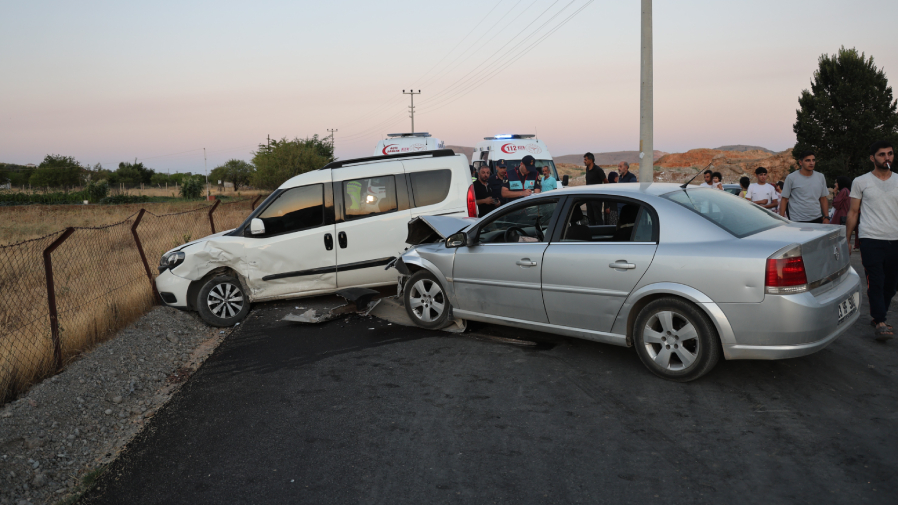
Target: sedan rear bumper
(790, 326)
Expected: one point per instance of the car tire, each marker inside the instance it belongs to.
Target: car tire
(222, 301)
(425, 301)
(675, 340)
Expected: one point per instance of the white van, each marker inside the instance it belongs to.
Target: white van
(321, 231)
(512, 148)
(404, 143)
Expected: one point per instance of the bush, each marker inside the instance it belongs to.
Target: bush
(42, 198)
(121, 199)
(191, 188)
(96, 191)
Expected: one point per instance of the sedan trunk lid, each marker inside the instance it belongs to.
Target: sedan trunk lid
(824, 248)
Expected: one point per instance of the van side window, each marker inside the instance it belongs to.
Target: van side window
(369, 197)
(431, 186)
(296, 209)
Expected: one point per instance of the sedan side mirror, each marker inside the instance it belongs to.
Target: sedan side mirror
(256, 227)
(457, 240)
(564, 180)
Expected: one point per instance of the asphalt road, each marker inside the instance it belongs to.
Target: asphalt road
(359, 411)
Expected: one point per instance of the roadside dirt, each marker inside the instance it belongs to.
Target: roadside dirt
(57, 438)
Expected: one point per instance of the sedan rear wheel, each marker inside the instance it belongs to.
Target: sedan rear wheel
(675, 340)
(425, 301)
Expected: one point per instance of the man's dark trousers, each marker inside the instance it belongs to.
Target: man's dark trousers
(880, 259)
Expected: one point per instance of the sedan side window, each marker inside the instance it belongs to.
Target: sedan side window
(369, 197)
(522, 224)
(608, 220)
(296, 209)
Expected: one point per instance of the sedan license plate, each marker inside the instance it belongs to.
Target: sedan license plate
(846, 308)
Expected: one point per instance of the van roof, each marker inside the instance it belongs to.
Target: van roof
(438, 153)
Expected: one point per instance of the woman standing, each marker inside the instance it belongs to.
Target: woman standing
(841, 201)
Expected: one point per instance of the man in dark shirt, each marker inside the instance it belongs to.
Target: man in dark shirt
(497, 180)
(521, 180)
(483, 193)
(625, 174)
(594, 175)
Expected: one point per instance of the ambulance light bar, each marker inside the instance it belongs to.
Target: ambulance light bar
(511, 136)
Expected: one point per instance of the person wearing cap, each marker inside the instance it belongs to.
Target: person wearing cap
(762, 193)
(497, 181)
(521, 180)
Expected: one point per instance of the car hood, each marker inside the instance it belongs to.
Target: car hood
(198, 241)
(425, 229)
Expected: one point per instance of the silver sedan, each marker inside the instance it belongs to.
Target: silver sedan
(683, 275)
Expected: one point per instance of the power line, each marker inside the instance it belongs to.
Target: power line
(466, 77)
(489, 76)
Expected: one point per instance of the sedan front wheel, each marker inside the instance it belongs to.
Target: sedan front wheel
(675, 340)
(425, 301)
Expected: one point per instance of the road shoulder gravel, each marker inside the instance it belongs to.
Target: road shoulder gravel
(58, 437)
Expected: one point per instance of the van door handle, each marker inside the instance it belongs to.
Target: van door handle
(328, 241)
(622, 265)
(341, 238)
(525, 262)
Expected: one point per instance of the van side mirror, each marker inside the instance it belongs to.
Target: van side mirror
(256, 227)
(564, 180)
(457, 240)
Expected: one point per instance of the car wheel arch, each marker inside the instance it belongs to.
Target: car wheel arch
(195, 286)
(647, 294)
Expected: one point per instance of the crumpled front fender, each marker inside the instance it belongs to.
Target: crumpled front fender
(412, 258)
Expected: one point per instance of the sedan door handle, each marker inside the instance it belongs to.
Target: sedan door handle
(525, 262)
(622, 265)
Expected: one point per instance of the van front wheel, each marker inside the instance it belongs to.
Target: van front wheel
(222, 301)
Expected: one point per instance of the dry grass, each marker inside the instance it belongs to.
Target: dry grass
(101, 284)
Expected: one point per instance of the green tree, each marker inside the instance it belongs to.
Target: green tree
(132, 174)
(237, 172)
(849, 106)
(57, 171)
(284, 159)
(191, 188)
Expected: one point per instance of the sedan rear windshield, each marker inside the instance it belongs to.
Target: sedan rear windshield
(735, 215)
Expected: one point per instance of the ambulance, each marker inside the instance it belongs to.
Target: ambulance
(512, 148)
(402, 143)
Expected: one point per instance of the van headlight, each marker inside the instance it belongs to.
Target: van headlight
(171, 260)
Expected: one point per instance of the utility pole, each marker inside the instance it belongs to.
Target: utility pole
(412, 108)
(646, 98)
(206, 169)
(332, 131)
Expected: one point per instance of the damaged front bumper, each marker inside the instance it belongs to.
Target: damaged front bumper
(172, 289)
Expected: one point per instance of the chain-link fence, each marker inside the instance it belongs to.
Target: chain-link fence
(67, 291)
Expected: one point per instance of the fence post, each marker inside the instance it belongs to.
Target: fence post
(255, 202)
(212, 223)
(51, 296)
(143, 257)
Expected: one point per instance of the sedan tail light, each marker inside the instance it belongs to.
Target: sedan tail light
(472, 202)
(785, 274)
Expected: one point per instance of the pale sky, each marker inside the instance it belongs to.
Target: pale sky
(158, 81)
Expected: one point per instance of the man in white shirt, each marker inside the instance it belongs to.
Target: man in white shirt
(762, 193)
(707, 183)
(876, 195)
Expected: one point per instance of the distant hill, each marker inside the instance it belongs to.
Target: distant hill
(742, 148)
(606, 158)
(467, 151)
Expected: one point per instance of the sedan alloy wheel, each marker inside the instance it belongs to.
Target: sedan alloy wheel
(425, 301)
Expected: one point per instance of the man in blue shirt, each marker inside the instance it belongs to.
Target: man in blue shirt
(498, 180)
(521, 180)
(625, 174)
